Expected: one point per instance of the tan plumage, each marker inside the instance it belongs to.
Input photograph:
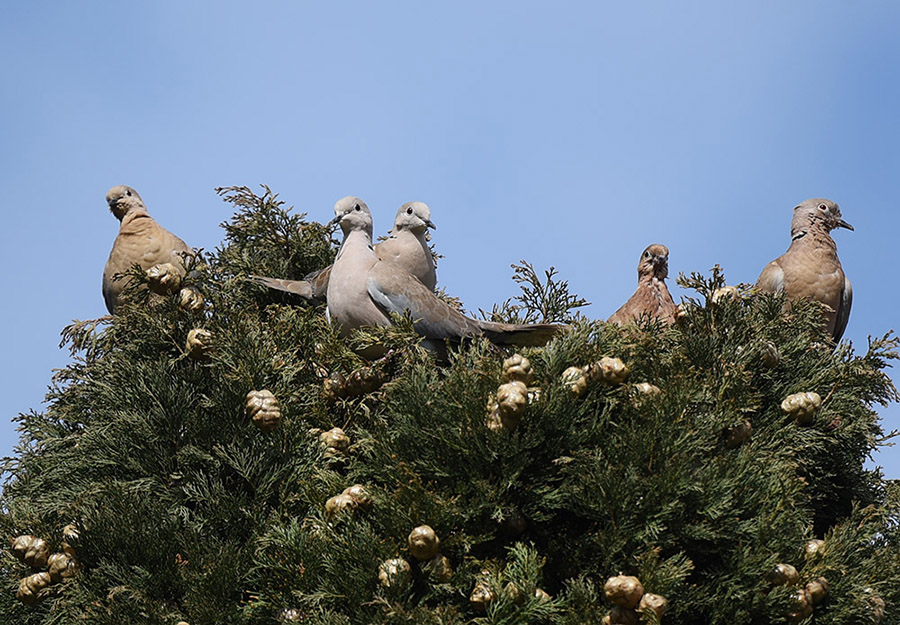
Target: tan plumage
(407, 246)
(651, 298)
(312, 288)
(810, 267)
(364, 291)
(141, 241)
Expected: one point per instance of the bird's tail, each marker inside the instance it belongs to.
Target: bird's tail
(521, 335)
(318, 282)
(297, 287)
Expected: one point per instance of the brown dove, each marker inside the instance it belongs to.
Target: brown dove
(810, 267)
(406, 245)
(364, 290)
(141, 241)
(651, 298)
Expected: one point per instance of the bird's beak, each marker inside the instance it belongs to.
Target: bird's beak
(336, 220)
(844, 224)
(430, 224)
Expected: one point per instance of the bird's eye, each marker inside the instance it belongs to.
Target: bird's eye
(357, 207)
(646, 254)
(822, 207)
(127, 192)
(409, 211)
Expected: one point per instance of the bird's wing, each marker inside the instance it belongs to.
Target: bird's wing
(396, 291)
(843, 312)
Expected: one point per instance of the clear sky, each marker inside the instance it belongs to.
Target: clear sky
(570, 134)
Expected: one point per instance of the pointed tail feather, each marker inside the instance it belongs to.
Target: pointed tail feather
(525, 335)
(297, 287)
(318, 282)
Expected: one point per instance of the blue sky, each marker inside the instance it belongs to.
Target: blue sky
(570, 134)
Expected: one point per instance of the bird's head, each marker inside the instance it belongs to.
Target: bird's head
(352, 214)
(413, 216)
(817, 212)
(123, 200)
(654, 262)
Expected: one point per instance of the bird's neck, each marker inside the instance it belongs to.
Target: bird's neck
(399, 231)
(135, 219)
(650, 279)
(357, 240)
(815, 242)
(814, 238)
(409, 235)
(806, 224)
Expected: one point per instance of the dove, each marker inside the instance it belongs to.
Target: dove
(810, 268)
(364, 291)
(651, 298)
(407, 245)
(141, 241)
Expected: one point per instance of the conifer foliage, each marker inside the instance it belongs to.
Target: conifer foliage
(178, 495)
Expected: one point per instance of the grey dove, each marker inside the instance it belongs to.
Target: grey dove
(364, 290)
(651, 298)
(141, 241)
(407, 245)
(810, 267)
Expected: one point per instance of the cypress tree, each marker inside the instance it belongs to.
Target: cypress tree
(175, 501)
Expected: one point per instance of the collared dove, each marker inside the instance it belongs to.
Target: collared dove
(141, 241)
(364, 290)
(407, 245)
(651, 298)
(810, 267)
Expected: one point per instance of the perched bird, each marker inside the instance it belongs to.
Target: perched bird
(651, 298)
(364, 290)
(407, 245)
(810, 267)
(141, 241)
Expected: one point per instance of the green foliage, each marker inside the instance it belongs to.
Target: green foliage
(186, 511)
(547, 301)
(264, 238)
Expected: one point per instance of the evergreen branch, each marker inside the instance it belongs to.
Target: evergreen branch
(547, 301)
